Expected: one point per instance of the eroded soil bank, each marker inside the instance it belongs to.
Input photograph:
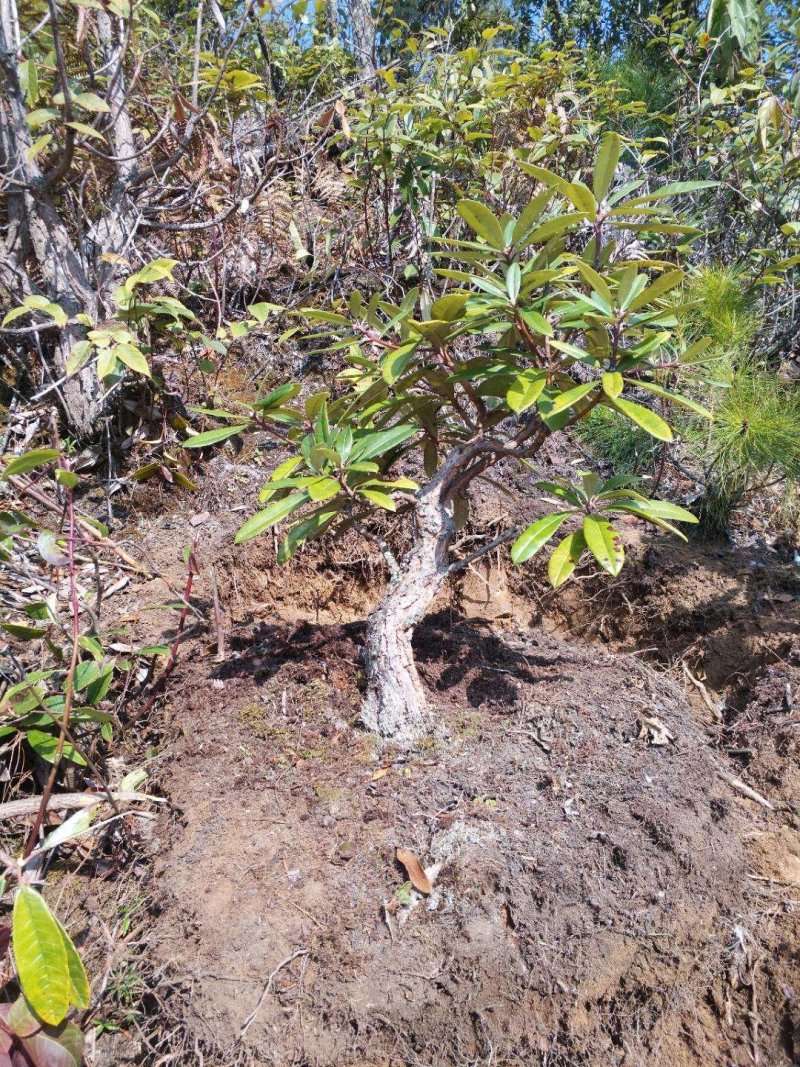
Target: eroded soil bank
(604, 892)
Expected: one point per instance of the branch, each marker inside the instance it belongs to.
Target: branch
(385, 550)
(460, 564)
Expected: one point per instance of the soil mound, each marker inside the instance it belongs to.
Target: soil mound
(589, 899)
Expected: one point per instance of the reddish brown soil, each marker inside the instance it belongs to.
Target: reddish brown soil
(602, 899)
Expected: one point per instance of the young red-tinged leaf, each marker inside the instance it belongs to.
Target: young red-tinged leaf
(644, 417)
(604, 543)
(565, 558)
(536, 536)
(263, 520)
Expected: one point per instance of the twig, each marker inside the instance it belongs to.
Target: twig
(745, 790)
(160, 682)
(217, 616)
(251, 1018)
(69, 683)
(17, 809)
(714, 708)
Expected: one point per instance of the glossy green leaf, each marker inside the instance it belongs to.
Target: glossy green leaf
(604, 543)
(607, 159)
(37, 457)
(526, 389)
(383, 500)
(644, 417)
(565, 558)
(323, 489)
(613, 383)
(571, 397)
(269, 516)
(536, 536)
(479, 218)
(213, 437)
(382, 441)
(658, 288)
(41, 957)
(676, 398)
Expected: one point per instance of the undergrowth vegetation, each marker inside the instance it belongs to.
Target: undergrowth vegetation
(405, 247)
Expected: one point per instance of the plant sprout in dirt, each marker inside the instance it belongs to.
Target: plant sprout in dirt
(546, 324)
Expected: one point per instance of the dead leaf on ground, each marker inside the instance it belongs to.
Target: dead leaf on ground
(654, 732)
(414, 870)
(379, 774)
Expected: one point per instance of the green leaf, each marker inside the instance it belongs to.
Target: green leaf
(661, 285)
(262, 310)
(87, 131)
(277, 396)
(213, 437)
(582, 197)
(396, 360)
(482, 221)
(565, 558)
(556, 225)
(530, 216)
(672, 189)
(23, 632)
(604, 544)
(80, 993)
(571, 397)
(263, 520)
(536, 322)
(664, 509)
(676, 398)
(381, 441)
(46, 746)
(526, 389)
(37, 457)
(323, 489)
(608, 157)
(41, 957)
(383, 500)
(133, 358)
(644, 417)
(613, 383)
(91, 102)
(537, 535)
(513, 281)
(450, 307)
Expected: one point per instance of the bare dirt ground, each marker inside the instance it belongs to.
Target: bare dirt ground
(604, 891)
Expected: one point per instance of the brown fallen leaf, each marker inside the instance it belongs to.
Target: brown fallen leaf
(380, 774)
(416, 874)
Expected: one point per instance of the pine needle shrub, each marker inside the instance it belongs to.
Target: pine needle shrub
(754, 442)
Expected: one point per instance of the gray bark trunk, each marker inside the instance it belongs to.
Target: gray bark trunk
(363, 31)
(394, 705)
